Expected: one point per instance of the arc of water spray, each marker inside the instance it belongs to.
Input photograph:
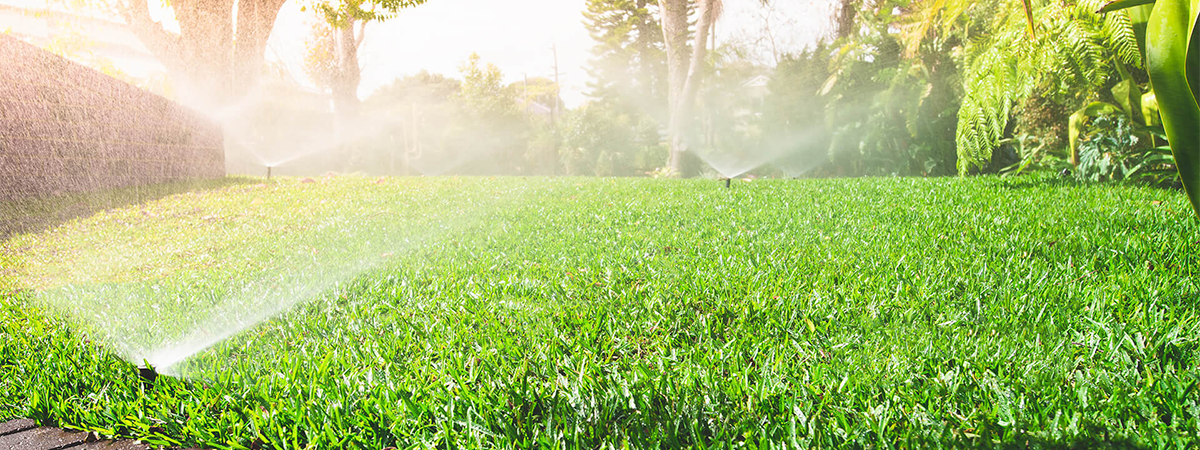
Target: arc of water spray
(273, 293)
(458, 159)
(440, 169)
(227, 320)
(731, 166)
(313, 149)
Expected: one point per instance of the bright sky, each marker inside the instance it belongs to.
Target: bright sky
(516, 36)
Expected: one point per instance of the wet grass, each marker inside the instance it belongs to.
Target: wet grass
(40, 213)
(576, 313)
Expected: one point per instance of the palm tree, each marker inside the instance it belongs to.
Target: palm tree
(685, 73)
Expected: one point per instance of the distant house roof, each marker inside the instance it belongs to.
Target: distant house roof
(756, 82)
(757, 86)
(539, 109)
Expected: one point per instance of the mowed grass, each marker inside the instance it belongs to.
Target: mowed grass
(588, 313)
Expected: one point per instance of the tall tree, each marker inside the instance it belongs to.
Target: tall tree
(843, 18)
(320, 63)
(349, 19)
(684, 71)
(627, 66)
(650, 58)
(213, 61)
(493, 113)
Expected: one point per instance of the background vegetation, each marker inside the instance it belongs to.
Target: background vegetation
(921, 87)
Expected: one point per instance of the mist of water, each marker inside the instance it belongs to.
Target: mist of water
(271, 132)
(115, 294)
(118, 294)
(435, 164)
(796, 155)
(254, 303)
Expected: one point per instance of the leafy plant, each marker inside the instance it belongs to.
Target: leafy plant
(1172, 48)
(1078, 121)
(1104, 155)
(1029, 149)
(1113, 149)
(1072, 55)
(890, 107)
(1157, 168)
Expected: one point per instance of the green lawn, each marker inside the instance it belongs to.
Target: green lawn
(582, 312)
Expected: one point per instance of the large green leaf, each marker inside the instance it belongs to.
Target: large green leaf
(1139, 16)
(1173, 62)
(1150, 109)
(1122, 4)
(1126, 92)
(1192, 63)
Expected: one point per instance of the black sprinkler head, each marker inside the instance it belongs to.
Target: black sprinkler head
(727, 181)
(268, 173)
(148, 375)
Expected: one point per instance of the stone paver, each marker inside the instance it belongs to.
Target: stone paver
(24, 434)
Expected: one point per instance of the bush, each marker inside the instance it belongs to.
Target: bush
(602, 141)
(1115, 149)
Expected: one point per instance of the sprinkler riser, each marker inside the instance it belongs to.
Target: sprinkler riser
(727, 182)
(268, 173)
(148, 376)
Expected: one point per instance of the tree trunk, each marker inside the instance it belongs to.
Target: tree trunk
(684, 73)
(346, 75)
(255, 20)
(675, 33)
(212, 64)
(844, 18)
(649, 80)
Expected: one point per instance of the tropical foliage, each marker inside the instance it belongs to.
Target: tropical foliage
(1071, 56)
(900, 87)
(1172, 48)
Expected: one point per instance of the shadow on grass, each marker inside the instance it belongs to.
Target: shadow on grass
(36, 214)
(1060, 181)
(1041, 181)
(1093, 442)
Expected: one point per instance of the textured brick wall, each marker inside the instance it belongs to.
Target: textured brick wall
(67, 128)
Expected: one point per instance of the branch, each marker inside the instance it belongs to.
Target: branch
(164, 45)
(699, 52)
(362, 34)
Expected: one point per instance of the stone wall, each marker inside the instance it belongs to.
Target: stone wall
(66, 128)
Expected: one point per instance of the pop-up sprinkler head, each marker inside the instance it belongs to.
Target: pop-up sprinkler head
(268, 173)
(147, 374)
(727, 182)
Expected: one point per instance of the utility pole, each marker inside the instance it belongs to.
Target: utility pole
(416, 127)
(710, 130)
(410, 138)
(392, 145)
(557, 86)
